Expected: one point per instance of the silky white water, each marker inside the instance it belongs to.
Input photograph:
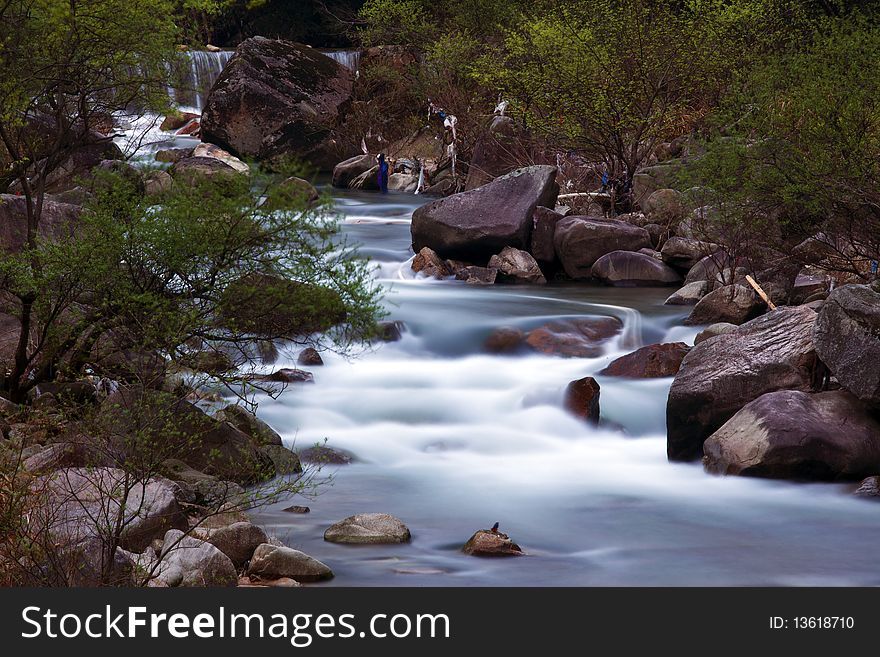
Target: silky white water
(451, 440)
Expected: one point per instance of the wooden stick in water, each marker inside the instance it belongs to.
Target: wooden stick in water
(761, 292)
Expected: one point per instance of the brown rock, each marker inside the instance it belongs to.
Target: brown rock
(652, 361)
(582, 399)
(578, 338)
(486, 543)
(504, 340)
(429, 263)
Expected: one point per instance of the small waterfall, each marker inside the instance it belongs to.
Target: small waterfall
(351, 59)
(196, 71)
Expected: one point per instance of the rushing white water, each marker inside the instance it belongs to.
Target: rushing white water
(452, 440)
(198, 70)
(349, 58)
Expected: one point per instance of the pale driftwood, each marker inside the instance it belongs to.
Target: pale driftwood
(761, 292)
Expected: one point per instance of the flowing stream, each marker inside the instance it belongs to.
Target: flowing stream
(451, 440)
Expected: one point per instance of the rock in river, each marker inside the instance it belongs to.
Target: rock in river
(368, 528)
(477, 224)
(720, 376)
(792, 434)
(652, 361)
(488, 543)
(279, 98)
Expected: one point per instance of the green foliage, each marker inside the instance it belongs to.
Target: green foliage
(798, 139)
(158, 276)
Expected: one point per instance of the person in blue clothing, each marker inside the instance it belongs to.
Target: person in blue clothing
(383, 174)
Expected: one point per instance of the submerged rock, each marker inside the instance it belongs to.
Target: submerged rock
(578, 338)
(504, 340)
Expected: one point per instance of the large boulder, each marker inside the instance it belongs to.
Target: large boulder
(368, 528)
(847, 339)
(689, 294)
(477, 224)
(495, 153)
(710, 268)
(685, 253)
(81, 503)
(345, 172)
(663, 206)
(576, 338)
(581, 241)
(652, 361)
(720, 376)
(245, 421)
(191, 170)
(734, 304)
(58, 221)
(188, 561)
(143, 422)
(543, 232)
(237, 541)
(273, 561)
(278, 98)
(517, 266)
(792, 434)
(629, 269)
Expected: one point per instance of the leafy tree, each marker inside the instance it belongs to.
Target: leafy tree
(797, 149)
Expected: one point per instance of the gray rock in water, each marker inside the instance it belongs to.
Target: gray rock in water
(273, 562)
(188, 561)
(248, 423)
(477, 224)
(792, 434)
(847, 339)
(516, 266)
(720, 376)
(368, 528)
(628, 269)
(473, 275)
(309, 357)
